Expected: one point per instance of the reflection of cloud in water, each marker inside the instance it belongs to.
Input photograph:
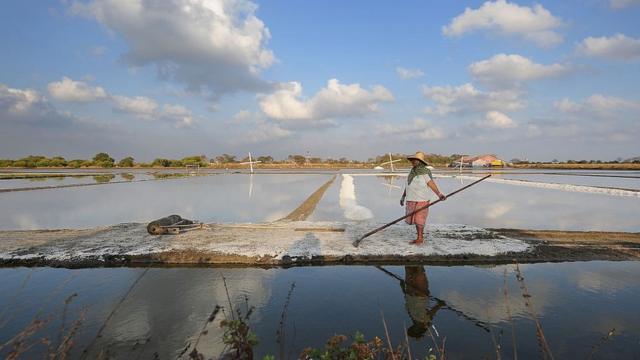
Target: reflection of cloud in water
(219, 198)
(24, 222)
(605, 280)
(168, 307)
(348, 203)
(488, 303)
(603, 323)
(497, 210)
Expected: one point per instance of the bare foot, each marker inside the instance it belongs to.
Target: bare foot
(416, 242)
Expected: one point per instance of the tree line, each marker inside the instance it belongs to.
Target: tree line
(104, 160)
(100, 160)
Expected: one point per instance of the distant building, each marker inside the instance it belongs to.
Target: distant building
(488, 160)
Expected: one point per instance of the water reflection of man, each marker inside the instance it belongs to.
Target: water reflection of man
(416, 296)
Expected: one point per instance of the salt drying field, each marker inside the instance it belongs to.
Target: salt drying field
(223, 198)
(136, 312)
(496, 205)
(214, 198)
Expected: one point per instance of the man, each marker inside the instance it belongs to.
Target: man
(419, 192)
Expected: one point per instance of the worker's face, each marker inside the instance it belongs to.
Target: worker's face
(414, 162)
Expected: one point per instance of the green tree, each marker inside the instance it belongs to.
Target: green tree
(103, 160)
(100, 157)
(194, 160)
(126, 162)
(58, 161)
(298, 159)
(75, 163)
(265, 159)
(161, 162)
(225, 158)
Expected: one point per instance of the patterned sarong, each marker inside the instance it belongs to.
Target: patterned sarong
(419, 218)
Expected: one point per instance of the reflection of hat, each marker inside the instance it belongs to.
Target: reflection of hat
(417, 330)
(419, 155)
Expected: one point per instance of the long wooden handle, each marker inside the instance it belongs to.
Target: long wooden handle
(357, 242)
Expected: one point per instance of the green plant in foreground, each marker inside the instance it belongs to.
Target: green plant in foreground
(359, 349)
(239, 337)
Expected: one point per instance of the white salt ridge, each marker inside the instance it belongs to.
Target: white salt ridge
(538, 184)
(277, 242)
(348, 203)
(557, 186)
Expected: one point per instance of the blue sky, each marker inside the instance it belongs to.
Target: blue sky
(536, 80)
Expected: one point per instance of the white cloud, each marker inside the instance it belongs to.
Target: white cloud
(418, 128)
(466, 98)
(535, 23)
(18, 101)
(285, 103)
(140, 106)
(496, 120)
(598, 104)
(28, 107)
(257, 129)
(617, 47)
(334, 101)
(504, 70)
(407, 74)
(267, 132)
(178, 114)
(213, 45)
(242, 116)
(148, 109)
(75, 91)
(621, 4)
(566, 105)
(607, 103)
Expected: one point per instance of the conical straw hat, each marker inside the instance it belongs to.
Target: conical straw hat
(419, 155)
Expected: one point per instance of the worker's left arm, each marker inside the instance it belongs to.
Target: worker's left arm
(432, 185)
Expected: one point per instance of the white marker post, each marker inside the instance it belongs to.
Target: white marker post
(390, 162)
(250, 162)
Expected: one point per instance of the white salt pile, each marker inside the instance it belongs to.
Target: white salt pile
(352, 210)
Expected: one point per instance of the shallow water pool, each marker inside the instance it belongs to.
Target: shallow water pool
(139, 312)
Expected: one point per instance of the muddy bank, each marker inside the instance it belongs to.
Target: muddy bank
(289, 243)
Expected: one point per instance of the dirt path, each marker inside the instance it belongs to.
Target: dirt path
(305, 209)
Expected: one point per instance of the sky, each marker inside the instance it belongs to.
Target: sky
(143, 78)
